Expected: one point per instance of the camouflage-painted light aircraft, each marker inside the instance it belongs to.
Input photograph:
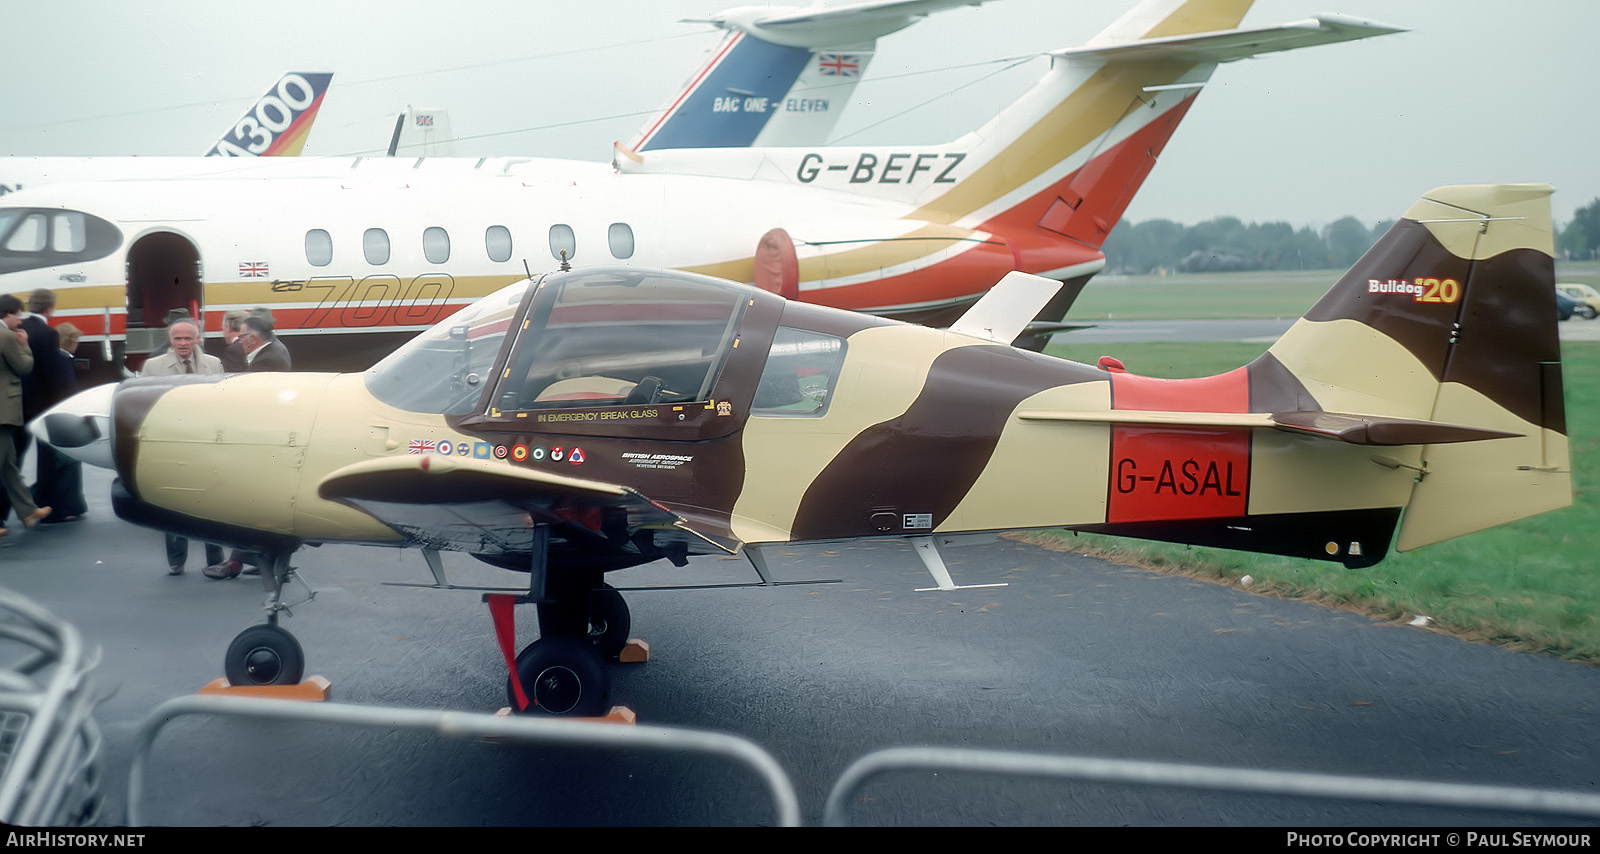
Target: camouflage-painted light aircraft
(590, 421)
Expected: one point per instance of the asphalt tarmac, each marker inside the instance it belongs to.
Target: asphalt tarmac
(1074, 657)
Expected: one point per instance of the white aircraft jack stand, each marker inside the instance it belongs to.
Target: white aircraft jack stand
(928, 551)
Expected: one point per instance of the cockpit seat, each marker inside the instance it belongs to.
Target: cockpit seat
(586, 388)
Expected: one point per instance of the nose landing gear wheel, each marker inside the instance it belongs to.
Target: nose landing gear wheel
(562, 676)
(264, 655)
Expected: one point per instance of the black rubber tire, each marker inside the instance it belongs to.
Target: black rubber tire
(563, 677)
(264, 655)
(1588, 312)
(609, 621)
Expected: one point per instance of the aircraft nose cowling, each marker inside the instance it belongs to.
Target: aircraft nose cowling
(80, 426)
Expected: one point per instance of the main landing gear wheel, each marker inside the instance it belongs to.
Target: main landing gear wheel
(264, 655)
(562, 676)
(609, 621)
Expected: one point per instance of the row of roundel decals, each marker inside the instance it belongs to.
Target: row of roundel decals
(486, 451)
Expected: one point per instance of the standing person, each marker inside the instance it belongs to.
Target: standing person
(262, 352)
(60, 483)
(183, 356)
(262, 349)
(232, 348)
(39, 390)
(173, 316)
(43, 342)
(16, 362)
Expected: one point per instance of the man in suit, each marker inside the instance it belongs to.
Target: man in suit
(183, 356)
(60, 482)
(16, 362)
(39, 391)
(232, 348)
(262, 349)
(262, 352)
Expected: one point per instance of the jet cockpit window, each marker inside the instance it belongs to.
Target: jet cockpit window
(319, 248)
(375, 246)
(28, 235)
(32, 238)
(444, 370)
(68, 234)
(497, 242)
(613, 337)
(800, 373)
(436, 245)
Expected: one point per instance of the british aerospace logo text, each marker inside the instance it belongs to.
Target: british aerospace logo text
(898, 168)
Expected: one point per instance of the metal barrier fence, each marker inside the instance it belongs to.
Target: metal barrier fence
(785, 803)
(49, 743)
(786, 808)
(1201, 777)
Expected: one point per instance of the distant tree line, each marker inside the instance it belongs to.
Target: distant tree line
(1226, 243)
(1580, 240)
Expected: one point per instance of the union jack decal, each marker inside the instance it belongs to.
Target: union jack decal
(839, 64)
(253, 269)
(422, 446)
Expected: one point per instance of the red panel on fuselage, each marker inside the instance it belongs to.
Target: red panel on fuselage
(1161, 473)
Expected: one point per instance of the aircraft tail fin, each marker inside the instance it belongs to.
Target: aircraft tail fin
(280, 121)
(1449, 318)
(781, 77)
(1067, 158)
(423, 132)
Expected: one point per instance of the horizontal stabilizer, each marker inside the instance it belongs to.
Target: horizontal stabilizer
(1363, 430)
(1351, 429)
(819, 27)
(1007, 309)
(1230, 45)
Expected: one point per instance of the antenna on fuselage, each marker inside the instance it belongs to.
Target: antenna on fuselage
(399, 125)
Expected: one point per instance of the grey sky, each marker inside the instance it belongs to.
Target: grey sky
(1480, 91)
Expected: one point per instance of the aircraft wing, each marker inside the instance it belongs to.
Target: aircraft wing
(490, 507)
(1229, 45)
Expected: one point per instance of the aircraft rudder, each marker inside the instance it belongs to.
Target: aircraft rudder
(1450, 318)
(280, 121)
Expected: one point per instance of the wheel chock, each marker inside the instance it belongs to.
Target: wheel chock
(314, 689)
(618, 715)
(636, 652)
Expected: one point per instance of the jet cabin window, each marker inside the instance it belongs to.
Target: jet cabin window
(497, 241)
(375, 245)
(613, 337)
(620, 238)
(563, 243)
(436, 245)
(319, 248)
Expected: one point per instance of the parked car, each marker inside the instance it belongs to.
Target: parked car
(1565, 305)
(1587, 298)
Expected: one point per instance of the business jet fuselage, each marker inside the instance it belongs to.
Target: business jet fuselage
(383, 247)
